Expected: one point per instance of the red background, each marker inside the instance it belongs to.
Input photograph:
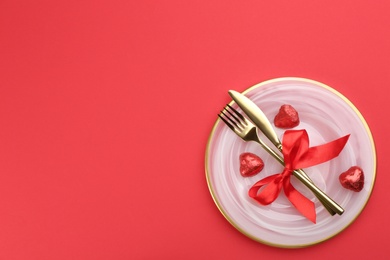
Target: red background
(92, 164)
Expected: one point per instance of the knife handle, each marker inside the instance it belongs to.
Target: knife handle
(325, 199)
(270, 133)
(303, 174)
(328, 203)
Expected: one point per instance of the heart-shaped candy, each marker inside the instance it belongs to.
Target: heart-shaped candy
(352, 179)
(287, 117)
(250, 164)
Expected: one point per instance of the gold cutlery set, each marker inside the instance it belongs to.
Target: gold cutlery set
(248, 131)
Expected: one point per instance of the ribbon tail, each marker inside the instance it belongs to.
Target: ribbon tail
(300, 202)
(273, 186)
(322, 153)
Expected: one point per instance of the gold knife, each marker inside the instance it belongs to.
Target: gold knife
(261, 121)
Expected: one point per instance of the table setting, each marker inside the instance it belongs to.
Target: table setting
(323, 113)
(194, 129)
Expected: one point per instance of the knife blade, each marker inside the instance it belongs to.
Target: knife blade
(257, 116)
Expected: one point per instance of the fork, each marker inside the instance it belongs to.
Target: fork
(247, 131)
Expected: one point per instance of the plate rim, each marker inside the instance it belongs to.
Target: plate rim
(349, 103)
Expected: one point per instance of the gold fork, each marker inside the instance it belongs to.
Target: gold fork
(248, 132)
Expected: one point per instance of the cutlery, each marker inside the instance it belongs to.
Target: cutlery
(247, 131)
(261, 121)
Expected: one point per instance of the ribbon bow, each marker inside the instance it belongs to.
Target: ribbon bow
(297, 155)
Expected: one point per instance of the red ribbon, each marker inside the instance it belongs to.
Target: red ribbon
(297, 155)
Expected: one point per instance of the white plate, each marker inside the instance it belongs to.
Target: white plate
(326, 115)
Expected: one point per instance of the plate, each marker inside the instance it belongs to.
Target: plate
(326, 115)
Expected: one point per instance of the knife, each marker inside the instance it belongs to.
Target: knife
(261, 121)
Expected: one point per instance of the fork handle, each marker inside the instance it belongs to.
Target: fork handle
(328, 203)
(304, 174)
(265, 126)
(278, 145)
(319, 193)
(326, 206)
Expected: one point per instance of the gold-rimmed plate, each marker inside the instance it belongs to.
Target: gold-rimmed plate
(326, 115)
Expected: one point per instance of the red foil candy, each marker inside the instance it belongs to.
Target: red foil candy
(287, 117)
(352, 179)
(250, 164)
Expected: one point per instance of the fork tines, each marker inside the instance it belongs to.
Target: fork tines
(234, 120)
